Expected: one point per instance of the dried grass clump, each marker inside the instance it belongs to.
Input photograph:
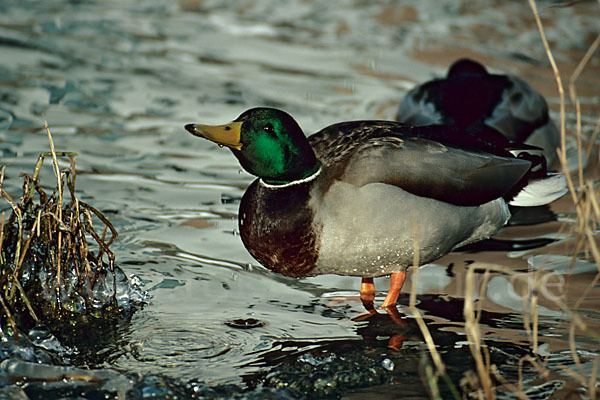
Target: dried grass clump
(54, 266)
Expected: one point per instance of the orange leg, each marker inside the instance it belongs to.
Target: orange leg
(396, 282)
(367, 293)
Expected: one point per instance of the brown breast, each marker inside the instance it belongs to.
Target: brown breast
(276, 226)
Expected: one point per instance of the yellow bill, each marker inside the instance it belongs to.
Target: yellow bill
(226, 135)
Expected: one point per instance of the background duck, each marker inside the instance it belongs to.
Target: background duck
(356, 197)
(472, 99)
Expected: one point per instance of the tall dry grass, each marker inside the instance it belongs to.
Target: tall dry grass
(486, 380)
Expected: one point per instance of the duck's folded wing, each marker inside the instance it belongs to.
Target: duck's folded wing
(430, 169)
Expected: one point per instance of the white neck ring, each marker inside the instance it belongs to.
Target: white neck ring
(299, 181)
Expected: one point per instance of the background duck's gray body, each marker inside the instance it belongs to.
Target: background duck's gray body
(522, 102)
(519, 112)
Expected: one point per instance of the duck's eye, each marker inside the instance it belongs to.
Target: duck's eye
(269, 128)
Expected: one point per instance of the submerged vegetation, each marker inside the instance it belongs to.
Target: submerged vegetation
(56, 266)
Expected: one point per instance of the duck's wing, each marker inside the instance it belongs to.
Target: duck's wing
(431, 169)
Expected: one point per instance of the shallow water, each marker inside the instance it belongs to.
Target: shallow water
(117, 80)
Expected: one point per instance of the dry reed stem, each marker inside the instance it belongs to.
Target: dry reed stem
(56, 170)
(593, 376)
(474, 336)
(582, 64)
(593, 138)
(17, 212)
(573, 346)
(482, 292)
(579, 378)
(535, 318)
(472, 329)
(432, 383)
(579, 143)
(573, 94)
(533, 309)
(544, 372)
(26, 300)
(39, 218)
(520, 374)
(583, 212)
(60, 195)
(593, 200)
(6, 309)
(514, 389)
(25, 248)
(437, 360)
(484, 369)
(1, 233)
(562, 152)
(11, 320)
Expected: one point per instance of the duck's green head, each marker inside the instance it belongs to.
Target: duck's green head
(267, 142)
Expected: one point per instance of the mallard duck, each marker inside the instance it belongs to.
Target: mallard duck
(356, 197)
(472, 99)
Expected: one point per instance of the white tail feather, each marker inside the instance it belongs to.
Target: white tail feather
(541, 191)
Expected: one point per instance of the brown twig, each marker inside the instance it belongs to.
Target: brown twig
(474, 335)
(11, 320)
(593, 377)
(25, 249)
(1, 235)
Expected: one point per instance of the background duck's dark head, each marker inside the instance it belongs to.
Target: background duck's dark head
(268, 143)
